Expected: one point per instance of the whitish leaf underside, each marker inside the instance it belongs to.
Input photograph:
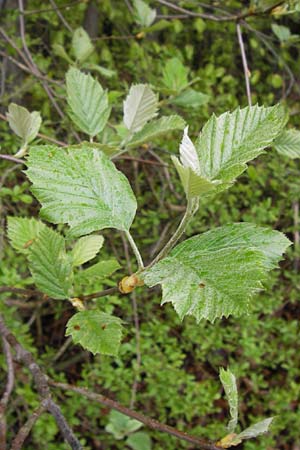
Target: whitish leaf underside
(139, 107)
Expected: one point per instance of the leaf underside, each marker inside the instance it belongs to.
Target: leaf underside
(217, 273)
(229, 383)
(140, 106)
(288, 144)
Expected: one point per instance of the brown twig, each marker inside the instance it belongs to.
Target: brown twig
(42, 386)
(148, 421)
(7, 392)
(109, 291)
(12, 159)
(245, 63)
(60, 16)
(17, 443)
(226, 17)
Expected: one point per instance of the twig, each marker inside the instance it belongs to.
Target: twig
(245, 64)
(61, 17)
(109, 291)
(296, 234)
(7, 391)
(66, 6)
(226, 17)
(17, 443)
(148, 421)
(137, 328)
(42, 386)
(12, 158)
(135, 250)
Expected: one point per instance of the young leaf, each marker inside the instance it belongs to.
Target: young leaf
(98, 271)
(82, 45)
(288, 143)
(175, 75)
(140, 106)
(120, 425)
(155, 129)
(281, 32)
(89, 108)
(26, 125)
(96, 331)
(229, 141)
(139, 441)
(190, 99)
(60, 51)
(86, 248)
(145, 16)
(49, 264)
(254, 431)
(82, 188)
(188, 169)
(216, 274)
(22, 232)
(229, 384)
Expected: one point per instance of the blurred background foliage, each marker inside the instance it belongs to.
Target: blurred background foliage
(177, 381)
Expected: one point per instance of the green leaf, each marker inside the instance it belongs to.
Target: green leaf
(145, 16)
(96, 331)
(120, 425)
(24, 124)
(191, 99)
(97, 272)
(281, 32)
(175, 75)
(82, 45)
(229, 384)
(59, 50)
(217, 273)
(106, 73)
(155, 129)
(22, 232)
(140, 106)
(82, 188)
(89, 108)
(86, 248)
(139, 441)
(253, 431)
(109, 149)
(288, 143)
(229, 141)
(49, 264)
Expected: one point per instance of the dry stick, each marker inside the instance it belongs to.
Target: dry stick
(41, 383)
(148, 421)
(61, 17)
(17, 443)
(108, 291)
(12, 159)
(245, 64)
(35, 69)
(8, 390)
(137, 328)
(66, 6)
(226, 17)
(296, 234)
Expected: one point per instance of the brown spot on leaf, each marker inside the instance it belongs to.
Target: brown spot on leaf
(104, 326)
(76, 327)
(201, 285)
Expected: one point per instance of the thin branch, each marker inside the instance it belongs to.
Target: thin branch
(135, 250)
(245, 63)
(296, 234)
(191, 209)
(226, 17)
(61, 17)
(7, 392)
(23, 433)
(148, 421)
(109, 291)
(42, 386)
(12, 159)
(66, 6)
(137, 328)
